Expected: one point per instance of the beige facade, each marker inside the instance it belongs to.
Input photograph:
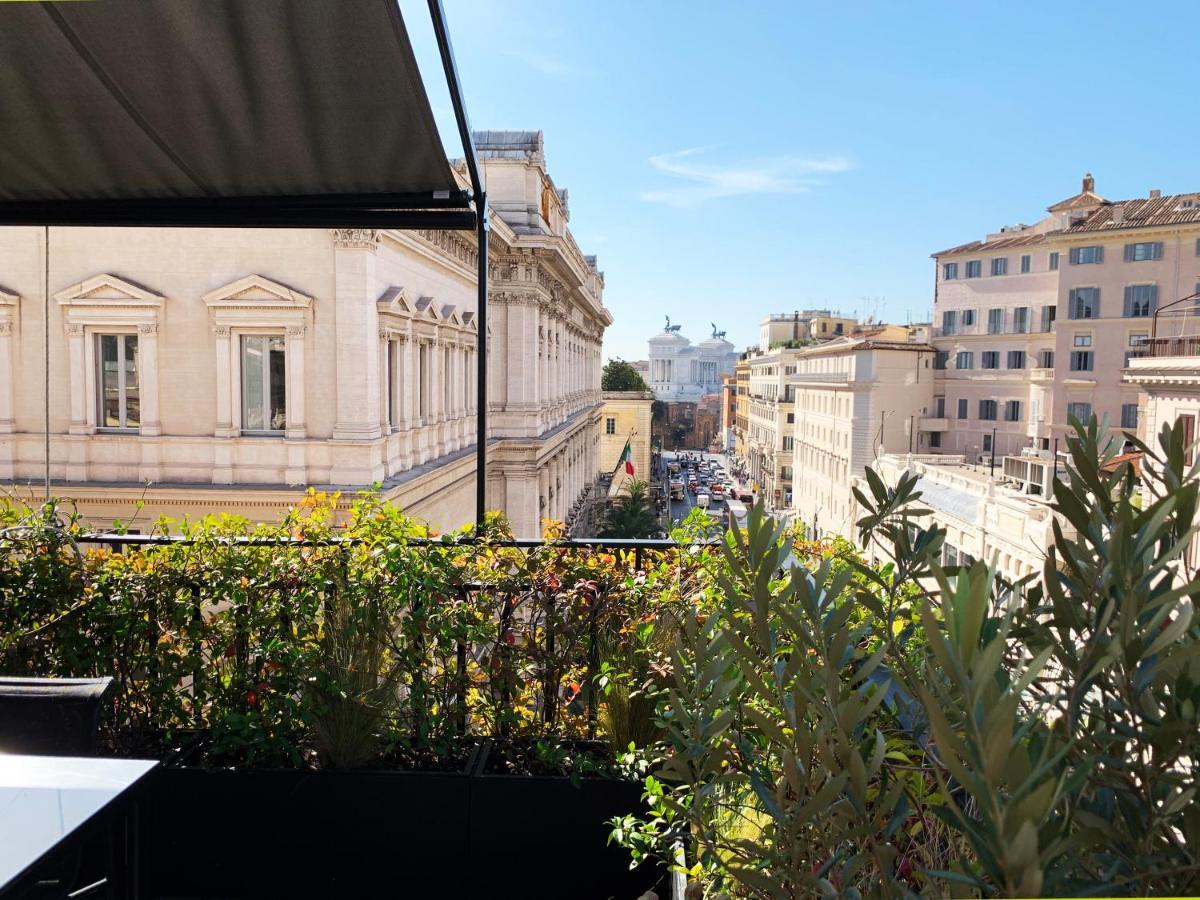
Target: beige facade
(625, 416)
(769, 425)
(1036, 323)
(802, 326)
(741, 406)
(855, 398)
(209, 370)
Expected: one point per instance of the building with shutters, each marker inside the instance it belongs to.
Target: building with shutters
(228, 370)
(1035, 323)
(853, 399)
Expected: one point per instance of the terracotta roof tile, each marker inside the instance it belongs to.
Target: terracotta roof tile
(1142, 213)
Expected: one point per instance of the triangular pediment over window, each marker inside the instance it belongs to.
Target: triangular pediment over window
(397, 300)
(428, 309)
(257, 291)
(109, 290)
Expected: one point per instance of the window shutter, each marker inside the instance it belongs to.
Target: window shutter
(1152, 292)
(1129, 252)
(1099, 254)
(1073, 256)
(1128, 300)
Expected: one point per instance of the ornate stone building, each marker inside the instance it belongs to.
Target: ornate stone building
(680, 372)
(205, 370)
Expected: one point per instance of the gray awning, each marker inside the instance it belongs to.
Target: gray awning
(218, 112)
(958, 503)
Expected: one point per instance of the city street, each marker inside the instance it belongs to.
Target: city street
(681, 508)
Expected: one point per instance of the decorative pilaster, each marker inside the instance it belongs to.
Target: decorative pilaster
(297, 428)
(76, 356)
(356, 324)
(148, 352)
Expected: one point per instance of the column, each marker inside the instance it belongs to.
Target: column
(77, 360)
(7, 378)
(356, 324)
(297, 428)
(386, 376)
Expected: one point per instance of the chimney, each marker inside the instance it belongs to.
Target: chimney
(1089, 183)
(1155, 194)
(1118, 213)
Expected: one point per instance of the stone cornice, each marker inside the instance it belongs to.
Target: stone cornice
(355, 238)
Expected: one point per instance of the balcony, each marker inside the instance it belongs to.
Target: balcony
(933, 423)
(333, 680)
(1186, 345)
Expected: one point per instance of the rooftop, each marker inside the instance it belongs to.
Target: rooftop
(522, 145)
(1096, 215)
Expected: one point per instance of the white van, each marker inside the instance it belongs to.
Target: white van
(735, 511)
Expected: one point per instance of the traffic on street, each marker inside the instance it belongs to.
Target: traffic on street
(686, 479)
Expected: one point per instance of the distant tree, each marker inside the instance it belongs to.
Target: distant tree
(679, 433)
(658, 411)
(621, 376)
(631, 515)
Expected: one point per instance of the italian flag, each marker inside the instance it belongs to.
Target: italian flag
(627, 459)
(625, 463)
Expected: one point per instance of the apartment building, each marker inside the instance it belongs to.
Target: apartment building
(728, 411)
(1035, 323)
(800, 327)
(854, 399)
(741, 405)
(769, 424)
(225, 370)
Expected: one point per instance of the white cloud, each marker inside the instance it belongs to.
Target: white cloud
(543, 62)
(709, 181)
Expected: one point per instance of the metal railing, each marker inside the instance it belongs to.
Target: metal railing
(532, 628)
(1186, 345)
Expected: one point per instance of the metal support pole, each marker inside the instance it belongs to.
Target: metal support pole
(993, 472)
(438, 16)
(481, 367)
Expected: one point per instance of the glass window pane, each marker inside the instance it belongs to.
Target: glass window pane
(278, 376)
(133, 407)
(110, 382)
(253, 389)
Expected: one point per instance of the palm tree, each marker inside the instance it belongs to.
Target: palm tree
(632, 515)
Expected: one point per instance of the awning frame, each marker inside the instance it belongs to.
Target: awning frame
(439, 210)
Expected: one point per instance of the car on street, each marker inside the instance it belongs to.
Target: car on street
(717, 490)
(676, 489)
(703, 499)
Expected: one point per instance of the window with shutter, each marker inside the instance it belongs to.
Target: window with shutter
(1129, 415)
(1053, 261)
(1080, 412)
(1021, 319)
(995, 321)
(949, 321)
(1026, 263)
(991, 359)
(1140, 300)
(962, 407)
(1081, 360)
(1143, 252)
(1083, 303)
(1016, 359)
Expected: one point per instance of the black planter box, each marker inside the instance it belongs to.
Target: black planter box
(333, 834)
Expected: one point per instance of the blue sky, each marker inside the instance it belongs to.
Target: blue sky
(729, 160)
